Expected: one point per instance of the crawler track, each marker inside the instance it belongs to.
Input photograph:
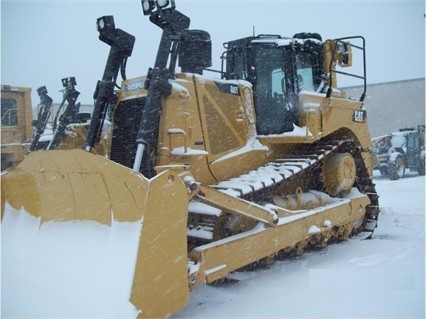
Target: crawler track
(302, 169)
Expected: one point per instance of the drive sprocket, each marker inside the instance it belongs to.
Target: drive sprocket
(339, 173)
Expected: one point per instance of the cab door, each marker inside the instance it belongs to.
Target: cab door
(413, 149)
(273, 89)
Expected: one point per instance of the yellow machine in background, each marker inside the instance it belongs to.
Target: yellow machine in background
(400, 150)
(267, 160)
(16, 124)
(22, 134)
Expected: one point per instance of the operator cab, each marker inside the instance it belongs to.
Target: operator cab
(278, 68)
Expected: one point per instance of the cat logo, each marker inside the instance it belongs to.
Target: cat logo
(234, 90)
(360, 116)
(228, 88)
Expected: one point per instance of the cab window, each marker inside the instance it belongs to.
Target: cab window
(413, 142)
(278, 79)
(307, 69)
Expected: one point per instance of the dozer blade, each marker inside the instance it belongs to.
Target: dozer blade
(74, 185)
(84, 237)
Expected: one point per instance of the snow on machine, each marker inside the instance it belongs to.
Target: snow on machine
(203, 175)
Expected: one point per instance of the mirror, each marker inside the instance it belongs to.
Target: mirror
(344, 50)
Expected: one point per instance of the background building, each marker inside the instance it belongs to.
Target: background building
(393, 105)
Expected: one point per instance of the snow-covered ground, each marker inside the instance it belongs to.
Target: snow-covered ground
(378, 278)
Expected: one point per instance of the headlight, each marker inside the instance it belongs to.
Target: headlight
(148, 6)
(162, 3)
(100, 24)
(105, 22)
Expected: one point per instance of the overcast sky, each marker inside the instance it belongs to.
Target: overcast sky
(45, 41)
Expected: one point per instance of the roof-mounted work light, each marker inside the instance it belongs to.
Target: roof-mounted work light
(69, 81)
(105, 23)
(162, 3)
(149, 6)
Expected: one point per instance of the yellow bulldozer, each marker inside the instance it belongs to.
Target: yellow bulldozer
(203, 175)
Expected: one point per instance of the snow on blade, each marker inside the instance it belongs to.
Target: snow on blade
(78, 269)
